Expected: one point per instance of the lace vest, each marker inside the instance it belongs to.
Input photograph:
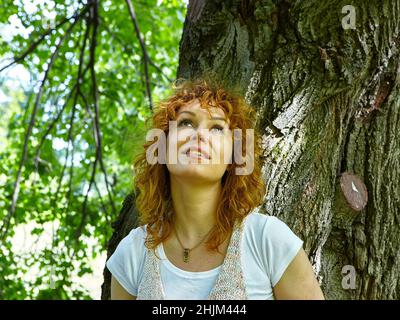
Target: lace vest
(228, 286)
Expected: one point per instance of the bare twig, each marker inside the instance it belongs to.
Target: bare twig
(102, 203)
(79, 80)
(128, 50)
(55, 120)
(96, 122)
(144, 51)
(33, 46)
(6, 223)
(78, 85)
(51, 126)
(71, 173)
(159, 70)
(70, 141)
(87, 107)
(117, 99)
(108, 223)
(95, 97)
(84, 206)
(37, 158)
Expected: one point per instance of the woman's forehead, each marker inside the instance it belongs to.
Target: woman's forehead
(195, 107)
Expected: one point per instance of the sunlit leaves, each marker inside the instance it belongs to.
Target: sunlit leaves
(55, 177)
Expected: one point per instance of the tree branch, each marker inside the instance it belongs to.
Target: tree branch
(78, 232)
(144, 51)
(33, 46)
(78, 85)
(95, 97)
(79, 80)
(96, 121)
(118, 39)
(117, 99)
(102, 203)
(51, 126)
(108, 223)
(6, 223)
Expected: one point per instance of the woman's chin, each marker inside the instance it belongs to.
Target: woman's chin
(196, 171)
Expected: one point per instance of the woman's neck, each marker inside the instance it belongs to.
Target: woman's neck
(194, 206)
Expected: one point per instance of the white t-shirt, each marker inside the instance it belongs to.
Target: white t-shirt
(267, 248)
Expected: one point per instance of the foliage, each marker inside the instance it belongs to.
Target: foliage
(71, 141)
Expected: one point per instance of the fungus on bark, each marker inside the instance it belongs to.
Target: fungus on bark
(354, 191)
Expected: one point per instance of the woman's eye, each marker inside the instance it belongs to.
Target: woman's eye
(183, 122)
(219, 128)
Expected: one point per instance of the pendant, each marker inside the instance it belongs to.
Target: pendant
(186, 255)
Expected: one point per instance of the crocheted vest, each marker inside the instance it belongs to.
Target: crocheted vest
(228, 286)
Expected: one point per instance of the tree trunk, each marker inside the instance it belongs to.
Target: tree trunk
(325, 85)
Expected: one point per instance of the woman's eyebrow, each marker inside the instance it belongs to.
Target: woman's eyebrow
(193, 114)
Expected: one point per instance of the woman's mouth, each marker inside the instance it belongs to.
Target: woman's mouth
(195, 154)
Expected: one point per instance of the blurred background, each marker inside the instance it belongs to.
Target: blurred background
(78, 80)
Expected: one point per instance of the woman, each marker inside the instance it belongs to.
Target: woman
(201, 236)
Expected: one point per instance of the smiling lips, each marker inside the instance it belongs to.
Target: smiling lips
(197, 152)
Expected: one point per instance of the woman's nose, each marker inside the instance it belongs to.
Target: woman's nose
(199, 135)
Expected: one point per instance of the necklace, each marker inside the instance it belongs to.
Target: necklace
(186, 251)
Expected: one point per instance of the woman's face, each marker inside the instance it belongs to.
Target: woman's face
(203, 144)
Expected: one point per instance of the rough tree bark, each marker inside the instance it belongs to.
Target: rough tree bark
(328, 103)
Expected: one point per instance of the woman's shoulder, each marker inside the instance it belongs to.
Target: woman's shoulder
(137, 234)
(258, 219)
(131, 247)
(265, 224)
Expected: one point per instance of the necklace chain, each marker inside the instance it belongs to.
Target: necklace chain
(186, 251)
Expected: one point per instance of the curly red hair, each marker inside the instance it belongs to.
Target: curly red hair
(240, 193)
